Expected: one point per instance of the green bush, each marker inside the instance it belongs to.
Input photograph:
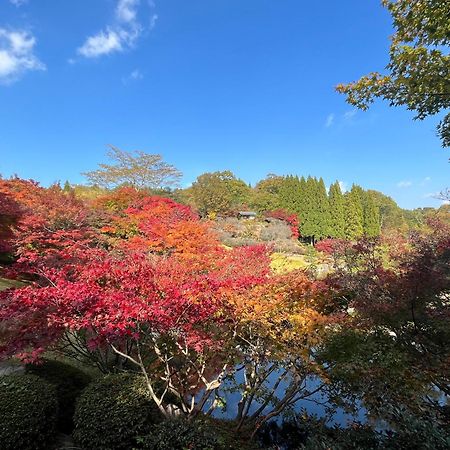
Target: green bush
(180, 435)
(112, 412)
(28, 411)
(426, 432)
(69, 382)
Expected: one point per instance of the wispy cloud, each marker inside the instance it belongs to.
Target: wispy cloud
(106, 42)
(135, 75)
(437, 196)
(349, 115)
(341, 119)
(118, 36)
(404, 184)
(17, 55)
(18, 2)
(425, 181)
(330, 120)
(153, 20)
(126, 10)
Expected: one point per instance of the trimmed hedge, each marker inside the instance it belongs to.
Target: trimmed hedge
(180, 435)
(112, 412)
(201, 434)
(28, 411)
(69, 382)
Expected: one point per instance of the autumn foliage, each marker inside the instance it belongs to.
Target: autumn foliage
(291, 219)
(135, 281)
(134, 275)
(329, 246)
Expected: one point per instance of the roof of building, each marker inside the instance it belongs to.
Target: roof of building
(248, 213)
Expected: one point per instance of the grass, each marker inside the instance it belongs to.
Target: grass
(6, 284)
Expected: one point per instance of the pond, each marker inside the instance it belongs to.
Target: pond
(317, 404)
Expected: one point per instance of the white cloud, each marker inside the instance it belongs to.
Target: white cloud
(135, 75)
(101, 44)
(16, 55)
(153, 20)
(343, 186)
(330, 120)
(126, 10)
(349, 114)
(425, 181)
(18, 2)
(341, 119)
(119, 36)
(404, 184)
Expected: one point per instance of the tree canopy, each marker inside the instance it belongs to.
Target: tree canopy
(137, 169)
(219, 192)
(418, 73)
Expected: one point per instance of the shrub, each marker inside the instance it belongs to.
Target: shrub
(69, 382)
(309, 433)
(112, 412)
(328, 246)
(425, 432)
(181, 434)
(276, 230)
(291, 219)
(28, 411)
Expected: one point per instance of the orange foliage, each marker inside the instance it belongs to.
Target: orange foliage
(161, 225)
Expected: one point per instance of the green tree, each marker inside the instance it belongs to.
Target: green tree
(219, 192)
(289, 194)
(336, 200)
(67, 187)
(354, 218)
(322, 206)
(308, 210)
(371, 217)
(418, 72)
(265, 196)
(391, 215)
(138, 169)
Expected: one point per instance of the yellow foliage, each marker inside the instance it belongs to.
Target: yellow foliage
(282, 263)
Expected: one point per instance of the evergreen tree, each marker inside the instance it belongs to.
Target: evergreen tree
(67, 187)
(289, 193)
(371, 217)
(308, 213)
(323, 218)
(337, 218)
(354, 217)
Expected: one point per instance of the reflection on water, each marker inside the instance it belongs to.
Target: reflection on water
(316, 404)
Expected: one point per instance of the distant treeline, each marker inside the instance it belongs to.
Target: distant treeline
(322, 213)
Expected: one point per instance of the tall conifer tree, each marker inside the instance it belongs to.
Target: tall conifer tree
(309, 210)
(337, 218)
(371, 217)
(323, 223)
(354, 217)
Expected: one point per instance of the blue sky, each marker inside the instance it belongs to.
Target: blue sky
(245, 85)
